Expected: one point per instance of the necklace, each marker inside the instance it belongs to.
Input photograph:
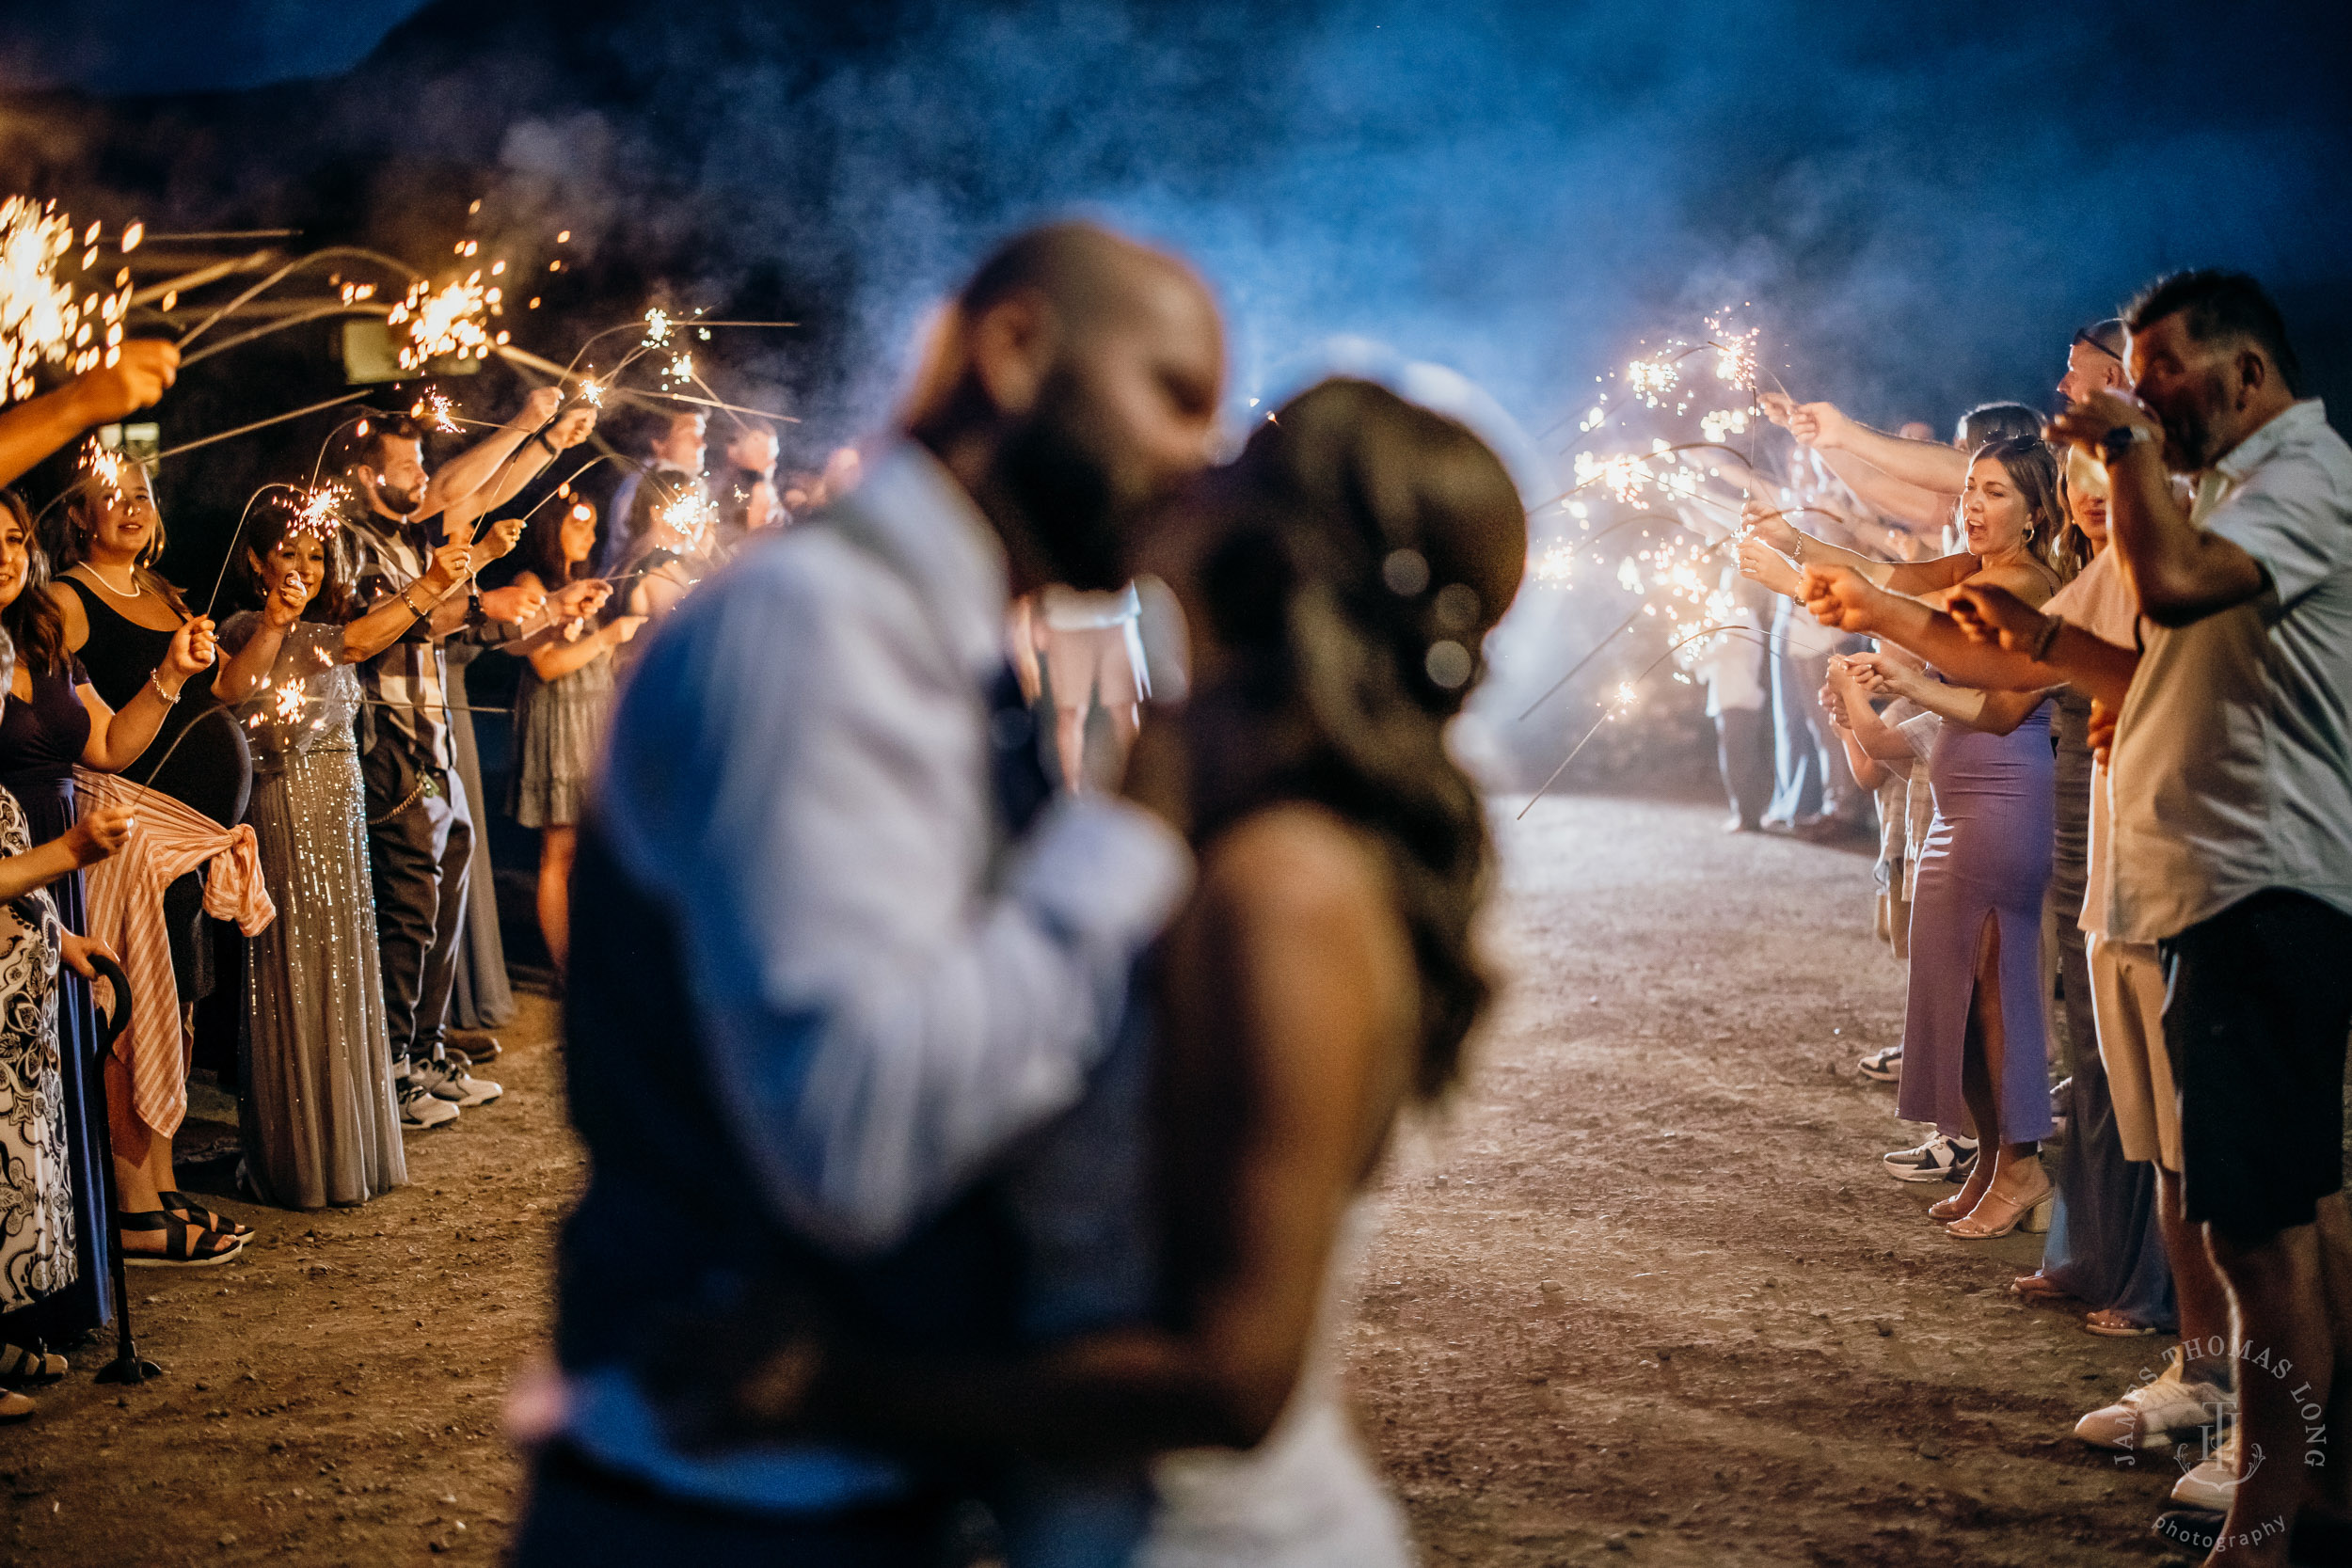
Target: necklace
(92, 567)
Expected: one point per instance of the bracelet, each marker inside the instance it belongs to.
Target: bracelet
(419, 614)
(2051, 627)
(540, 435)
(1796, 552)
(155, 679)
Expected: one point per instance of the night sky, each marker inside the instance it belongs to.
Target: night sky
(1915, 210)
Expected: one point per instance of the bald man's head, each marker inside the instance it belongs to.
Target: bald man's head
(1072, 383)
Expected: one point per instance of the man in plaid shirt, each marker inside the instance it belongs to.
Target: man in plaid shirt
(419, 825)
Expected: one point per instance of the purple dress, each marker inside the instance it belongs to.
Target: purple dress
(1987, 855)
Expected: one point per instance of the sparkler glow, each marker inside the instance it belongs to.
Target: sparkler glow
(689, 517)
(42, 318)
(434, 410)
(319, 511)
(447, 321)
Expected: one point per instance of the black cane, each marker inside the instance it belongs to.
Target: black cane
(128, 1366)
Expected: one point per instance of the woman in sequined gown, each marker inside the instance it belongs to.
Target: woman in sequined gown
(322, 1123)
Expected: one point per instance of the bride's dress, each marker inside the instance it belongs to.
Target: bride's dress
(1307, 1496)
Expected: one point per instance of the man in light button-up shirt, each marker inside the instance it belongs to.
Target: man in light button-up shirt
(821, 975)
(2232, 784)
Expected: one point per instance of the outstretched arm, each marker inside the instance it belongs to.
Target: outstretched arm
(2071, 656)
(38, 426)
(1773, 526)
(1824, 427)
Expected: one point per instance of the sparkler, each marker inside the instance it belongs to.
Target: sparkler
(451, 320)
(435, 411)
(689, 518)
(1621, 702)
(42, 318)
(320, 511)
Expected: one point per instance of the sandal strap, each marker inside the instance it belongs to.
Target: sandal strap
(180, 1236)
(196, 1213)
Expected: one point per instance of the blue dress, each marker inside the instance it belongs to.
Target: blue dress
(1987, 858)
(40, 738)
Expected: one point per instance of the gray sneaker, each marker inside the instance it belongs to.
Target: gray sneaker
(451, 1081)
(419, 1107)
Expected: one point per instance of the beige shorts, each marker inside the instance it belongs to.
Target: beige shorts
(1894, 923)
(1089, 665)
(2127, 1000)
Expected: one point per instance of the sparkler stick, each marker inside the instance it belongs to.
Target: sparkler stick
(258, 424)
(1579, 664)
(1625, 699)
(198, 279)
(302, 318)
(353, 252)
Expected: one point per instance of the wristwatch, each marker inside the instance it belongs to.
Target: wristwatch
(2116, 443)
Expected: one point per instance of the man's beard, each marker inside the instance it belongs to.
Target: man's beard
(2189, 436)
(400, 503)
(1059, 471)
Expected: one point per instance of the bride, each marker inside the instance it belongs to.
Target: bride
(1191, 1231)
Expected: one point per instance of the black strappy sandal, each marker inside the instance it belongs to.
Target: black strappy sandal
(28, 1369)
(182, 1207)
(180, 1247)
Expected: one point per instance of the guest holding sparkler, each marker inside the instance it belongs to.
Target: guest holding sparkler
(119, 615)
(2232, 847)
(559, 711)
(1974, 1040)
(53, 721)
(673, 469)
(421, 824)
(321, 1122)
(744, 490)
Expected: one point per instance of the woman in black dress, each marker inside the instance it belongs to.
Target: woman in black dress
(152, 708)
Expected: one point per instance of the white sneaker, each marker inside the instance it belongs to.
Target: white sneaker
(419, 1107)
(2212, 1485)
(2147, 1415)
(451, 1081)
(1942, 1158)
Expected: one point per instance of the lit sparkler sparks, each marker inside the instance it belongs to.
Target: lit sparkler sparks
(452, 319)
(104, 467)
(434, 410)
(689, 518)
(42, 318)
(320, 512)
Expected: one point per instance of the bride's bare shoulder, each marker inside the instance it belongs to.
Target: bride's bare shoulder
(1297, 862)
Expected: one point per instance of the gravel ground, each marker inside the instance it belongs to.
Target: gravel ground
(1640, 1293)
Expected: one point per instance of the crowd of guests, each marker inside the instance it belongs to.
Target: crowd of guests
(303, 771)
(2115, 696)
(1014, 1152)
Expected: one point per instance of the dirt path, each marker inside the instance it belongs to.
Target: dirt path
(1647, 1297)
(1642, 1297)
